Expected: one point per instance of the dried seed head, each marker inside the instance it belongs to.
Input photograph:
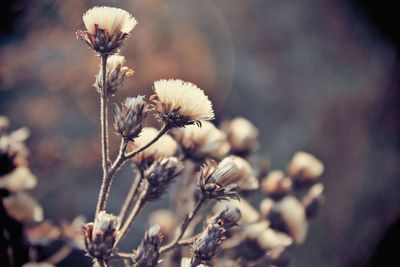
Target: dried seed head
(206, 141)
(293, 215)
(276, 185)
(248, 213)
(100, 235)
(163, 148)
(179, 103)
(160, 174)
(23, 208)
(130, 117)
(166, 219)
(305, 167)
(314, 200)
(148, 251)
(242, 135)
(106, 28)
(20, 179)
(116, 73)
(206, 245)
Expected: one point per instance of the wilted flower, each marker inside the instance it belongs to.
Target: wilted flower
(129, 118)
(20, 179)
(163, 147)
(248, 213)
(160, 174)
(276, 185)
(148, 251)
(100, 236)
(116, 73)
(206, 141)
(106, 28)
(293, 215)
(305, 167)
(43, 234)
(313, 200)
(242, 135)
(165, 219)
(179, 103)
(23, 208)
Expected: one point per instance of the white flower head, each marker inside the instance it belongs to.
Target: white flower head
(181, 103)
(20, 179)
(106, 28)
(206, 141)
(163, 148)
(305, 166)
(242, 135)
(23, 208)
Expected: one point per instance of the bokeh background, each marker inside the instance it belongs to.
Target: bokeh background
(316, 75)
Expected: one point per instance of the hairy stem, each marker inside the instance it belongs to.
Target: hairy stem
(101, 203)
(132, 216)
(184, 226)
(130, 197)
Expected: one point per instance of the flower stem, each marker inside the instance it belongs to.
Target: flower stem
(132, 216)
(184, 226)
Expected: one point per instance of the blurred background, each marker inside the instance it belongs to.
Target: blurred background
(316, 75)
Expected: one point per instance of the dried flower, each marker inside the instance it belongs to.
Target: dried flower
(276, 185)
(206, 141)
(23, 208)
(100, 236)
(305, 167)
(160, 174)
(129, 118)
(248, 213)
(206, 245)
(314, 200)
(165, 219)
(163, 147)
(229, 217)
(294, 217)
(242, 135)
(106, 28)
(179, 103)
(116, 73)
(148, 251)
(18, 180)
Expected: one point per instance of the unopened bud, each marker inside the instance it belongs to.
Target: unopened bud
(129, 118)
(148, 251)
(100, 235)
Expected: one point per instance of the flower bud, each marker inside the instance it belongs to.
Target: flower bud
(276, 185)
(147, 253)
(129, 118)
(305, 167)
(160, 174)
(116, 73)
(100, 235)
(248, 213)
(228, 217)
(242, 135)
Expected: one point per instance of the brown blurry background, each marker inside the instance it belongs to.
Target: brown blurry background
(317, 75)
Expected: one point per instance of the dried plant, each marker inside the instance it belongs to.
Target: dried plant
(210, 222)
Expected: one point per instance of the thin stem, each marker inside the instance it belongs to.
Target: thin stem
(162, 131)
(130, 197)
(184, 226)
(132, 216)
(104, 137)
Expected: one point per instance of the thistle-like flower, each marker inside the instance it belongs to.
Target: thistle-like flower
(116, 73)
(222, 180)
(179, 103)
(160, 174)
(248, 213)
(229, 217)
(276, 185)
(305, 167)
(206, 141)
(129, 118)
(106, 28)
(100, 236)
(163, 148)
(242, 135)
(148, 251)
